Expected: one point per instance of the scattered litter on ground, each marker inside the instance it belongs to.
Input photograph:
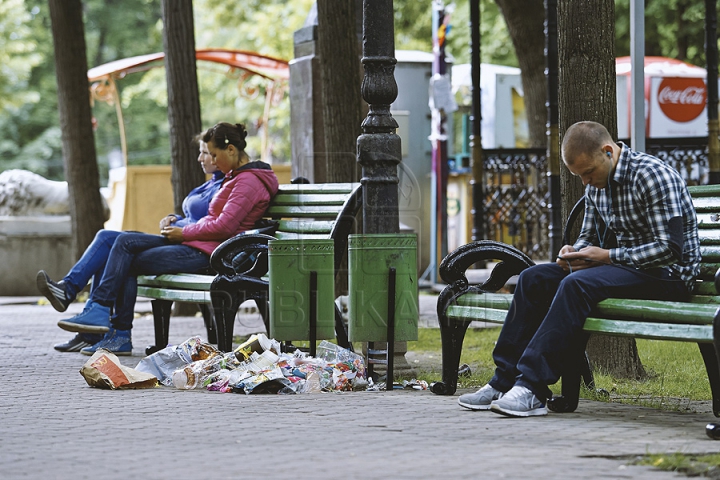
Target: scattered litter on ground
(256, 366)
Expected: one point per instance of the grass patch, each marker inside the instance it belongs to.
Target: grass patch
(687, 464)
(676, 369)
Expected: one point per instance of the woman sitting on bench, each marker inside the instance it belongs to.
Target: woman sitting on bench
(242, 199)
(92, 263)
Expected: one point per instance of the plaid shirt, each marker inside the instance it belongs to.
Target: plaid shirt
(645, 195)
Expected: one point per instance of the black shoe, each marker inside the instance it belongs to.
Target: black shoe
(53, 291)
(78, 342)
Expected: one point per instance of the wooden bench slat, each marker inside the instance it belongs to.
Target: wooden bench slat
(294, 236)
(481, 314)
(294, 226)
(319, 211)
(309, 199)
(710, 237)
(164, 293)
(654, 331)
(628, 328)
(704, 190)
(710, 254)
(310, 188)
(655, 310)
(706, 204)
(707, 220)
(179, 280)
(699, 313)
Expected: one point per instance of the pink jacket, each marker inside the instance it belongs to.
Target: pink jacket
(240, 202)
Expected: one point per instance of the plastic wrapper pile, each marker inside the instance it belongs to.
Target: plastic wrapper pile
(256, 366)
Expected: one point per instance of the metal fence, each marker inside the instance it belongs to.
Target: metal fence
(517, 195)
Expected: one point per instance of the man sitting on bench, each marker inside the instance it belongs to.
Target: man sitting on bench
(638, 239)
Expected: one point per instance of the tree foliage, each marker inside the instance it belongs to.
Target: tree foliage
(115, 29)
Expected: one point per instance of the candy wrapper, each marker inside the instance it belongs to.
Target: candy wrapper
(104, 370)
(163, 363)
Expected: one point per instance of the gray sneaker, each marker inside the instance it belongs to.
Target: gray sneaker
(481, 399)
(519, 402)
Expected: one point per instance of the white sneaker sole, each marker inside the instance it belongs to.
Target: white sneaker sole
(535, 412)
(80, 328)
(474, 407)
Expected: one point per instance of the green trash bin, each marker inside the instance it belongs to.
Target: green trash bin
(370, 257)
(290, 263)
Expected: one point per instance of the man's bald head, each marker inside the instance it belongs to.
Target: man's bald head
(584, 139)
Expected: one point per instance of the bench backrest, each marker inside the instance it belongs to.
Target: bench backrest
(325, 210)
(309, 211)
(706, 199)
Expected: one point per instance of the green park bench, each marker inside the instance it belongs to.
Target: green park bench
(298, 211)
(693, 321)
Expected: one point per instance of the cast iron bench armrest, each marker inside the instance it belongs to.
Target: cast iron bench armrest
(232, 254)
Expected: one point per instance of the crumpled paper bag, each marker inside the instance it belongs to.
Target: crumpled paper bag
(104, 370)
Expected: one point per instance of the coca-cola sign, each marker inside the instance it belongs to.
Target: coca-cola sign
(682, 99)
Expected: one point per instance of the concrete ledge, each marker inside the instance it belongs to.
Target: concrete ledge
(29, 244)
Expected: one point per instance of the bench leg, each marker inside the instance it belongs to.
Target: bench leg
(341, 333)
(710, 358)
(225, 306)
(452, 336)
(207, 314)
(580, 370)
(161, 319)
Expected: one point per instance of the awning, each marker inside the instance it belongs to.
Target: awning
(262, 65)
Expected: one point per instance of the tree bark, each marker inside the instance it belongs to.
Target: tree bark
(183, 97)
(338, 50)
(339, 53)
(78, 145)
(586, 34)
(525, 22)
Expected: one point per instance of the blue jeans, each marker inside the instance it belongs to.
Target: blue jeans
(141, 254)
(543, 334)
(91, 264)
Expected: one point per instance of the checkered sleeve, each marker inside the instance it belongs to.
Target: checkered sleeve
(588, 231)
(658, 196)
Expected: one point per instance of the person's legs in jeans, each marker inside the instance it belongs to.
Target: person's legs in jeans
(130, 257)
(171, 258)
(91, 264)
(535, 289)
(555, 341)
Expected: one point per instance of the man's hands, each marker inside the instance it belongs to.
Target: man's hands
(174, 234)
(587, 257)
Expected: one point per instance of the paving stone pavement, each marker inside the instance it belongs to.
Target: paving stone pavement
(56, 427)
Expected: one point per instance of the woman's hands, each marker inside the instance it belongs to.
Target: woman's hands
(174, 234)
(167, 221)
(587, 257)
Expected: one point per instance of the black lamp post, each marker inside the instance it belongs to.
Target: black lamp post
(378, 147)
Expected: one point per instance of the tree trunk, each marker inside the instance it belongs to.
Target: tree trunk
(183, 97)
(586, 57)
(339, 53)
(525, 22)
(338, 48)
(79, 156)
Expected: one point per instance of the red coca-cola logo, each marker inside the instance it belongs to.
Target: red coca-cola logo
(682, 99)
